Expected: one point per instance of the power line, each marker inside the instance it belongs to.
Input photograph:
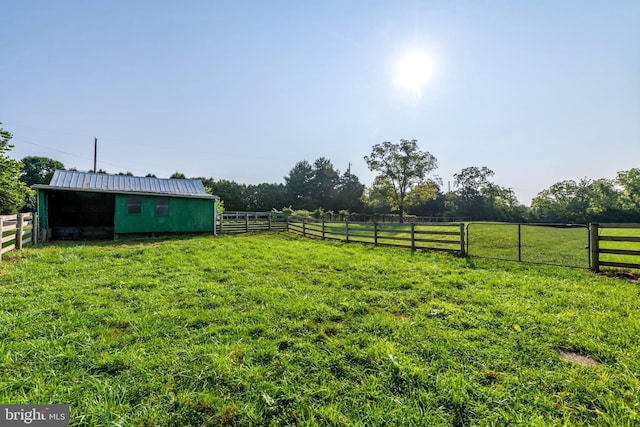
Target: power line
(76, 156)
(49, 148)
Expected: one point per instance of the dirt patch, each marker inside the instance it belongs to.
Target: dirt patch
(630, 276)
(573, 357)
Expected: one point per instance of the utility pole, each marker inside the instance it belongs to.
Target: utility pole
(95, 155)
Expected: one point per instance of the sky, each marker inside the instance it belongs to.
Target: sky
(539, 92)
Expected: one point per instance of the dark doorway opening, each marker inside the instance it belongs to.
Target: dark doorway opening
(81, 215)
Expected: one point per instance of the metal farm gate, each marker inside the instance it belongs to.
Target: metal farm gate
(564, 245)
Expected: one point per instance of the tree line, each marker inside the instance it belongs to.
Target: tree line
(405, 183)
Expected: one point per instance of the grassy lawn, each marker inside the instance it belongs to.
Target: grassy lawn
(275, 329)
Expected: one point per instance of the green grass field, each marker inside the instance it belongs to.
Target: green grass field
(275, 329)
(547, 245)
(633, 232)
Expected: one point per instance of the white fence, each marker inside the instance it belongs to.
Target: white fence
(15, 231)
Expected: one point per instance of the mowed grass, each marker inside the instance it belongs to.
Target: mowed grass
(275, 329)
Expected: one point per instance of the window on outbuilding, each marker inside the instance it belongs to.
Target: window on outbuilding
(162, 206)
(134, 205)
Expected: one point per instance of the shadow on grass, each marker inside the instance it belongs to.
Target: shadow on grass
(122, 240)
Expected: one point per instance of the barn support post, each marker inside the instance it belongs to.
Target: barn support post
(594, 242)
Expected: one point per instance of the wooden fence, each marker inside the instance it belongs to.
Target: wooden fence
(433, 236)
(16, 231)
(621, 242)
(245, 222)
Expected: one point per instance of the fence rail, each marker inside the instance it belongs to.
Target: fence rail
(625, 246)
(245, 222)
(16, 231)
(431, 236)
(389, 218)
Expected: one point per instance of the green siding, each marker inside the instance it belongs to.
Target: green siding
(43, 209)
(186, 215)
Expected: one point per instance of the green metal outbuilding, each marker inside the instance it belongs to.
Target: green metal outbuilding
(84, 205)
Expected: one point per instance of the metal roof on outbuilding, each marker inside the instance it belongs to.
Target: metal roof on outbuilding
(102, 182)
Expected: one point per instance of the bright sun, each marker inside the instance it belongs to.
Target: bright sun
(414, 71)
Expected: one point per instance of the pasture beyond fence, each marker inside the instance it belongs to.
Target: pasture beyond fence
(615, 245)
(551, 244)
(434, 236)
(16, 231)
(568, 245)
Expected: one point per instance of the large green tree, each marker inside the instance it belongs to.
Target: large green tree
(325, 183)
(564, 201)
(13, 192)
(402, 168)
(629, 181)
(300, 184)
(584, 201)
(265, 197)
(478, 198)
(38, 170)
(232, 193)
(350, 191)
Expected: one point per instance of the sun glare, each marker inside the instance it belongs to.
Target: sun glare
(414, 71)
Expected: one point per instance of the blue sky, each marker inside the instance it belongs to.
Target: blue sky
(537, 91)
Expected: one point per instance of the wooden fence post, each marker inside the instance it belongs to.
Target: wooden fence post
(375, 233)
(462, 251)
(413, 236)
(346, 230)
(269, 221)
(322, 228)
(594, 242)
(19, 226)
(304, 227)
(246, 223)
